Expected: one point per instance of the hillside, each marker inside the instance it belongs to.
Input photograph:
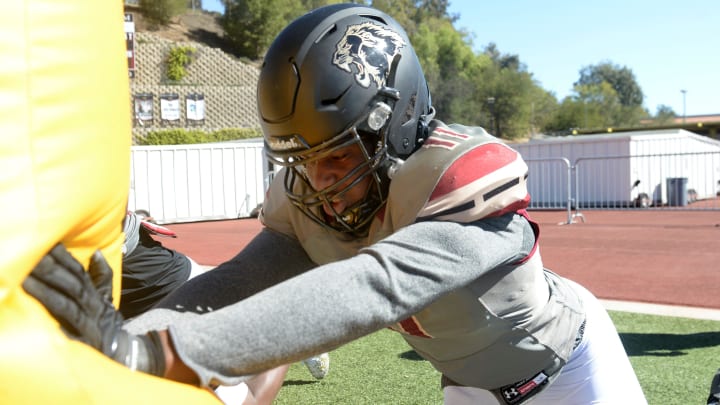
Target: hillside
(197, 26)
(226, 82)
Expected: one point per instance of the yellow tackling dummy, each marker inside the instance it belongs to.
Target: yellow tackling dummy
(65, 150)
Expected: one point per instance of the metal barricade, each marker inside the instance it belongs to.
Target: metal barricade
(549, 184)
(679, 181)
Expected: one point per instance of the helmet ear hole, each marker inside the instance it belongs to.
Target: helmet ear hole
(422, 132)
(423, 127)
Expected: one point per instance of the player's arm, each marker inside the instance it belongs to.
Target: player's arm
(336, 303)
(270, 258)
(333, 304)
(81, 301)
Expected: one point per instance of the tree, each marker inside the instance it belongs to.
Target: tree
(514, 94)
(601, 104)
(251, 25)
(569, 115)
(503, 61)
(664, 115)
(591, 106)
(594, 107)
(620, 78)
(605, 96)
(403, 11)
(451, 69)
(160, 12)
(313, 4)
(543, 104)
(437, 9)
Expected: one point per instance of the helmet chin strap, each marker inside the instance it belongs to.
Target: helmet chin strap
(362, 210)
(370, 203)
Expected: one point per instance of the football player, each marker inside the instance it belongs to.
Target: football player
(381, 216)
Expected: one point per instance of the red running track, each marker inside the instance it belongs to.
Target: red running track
(654, 256)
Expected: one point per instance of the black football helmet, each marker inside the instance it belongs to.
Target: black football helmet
(340, 75)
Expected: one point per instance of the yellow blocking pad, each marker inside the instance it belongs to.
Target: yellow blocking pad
(65, 135)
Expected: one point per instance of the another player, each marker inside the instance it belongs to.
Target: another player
(381, 217)
(150, 270)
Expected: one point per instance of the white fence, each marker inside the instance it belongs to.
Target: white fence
(185, 183)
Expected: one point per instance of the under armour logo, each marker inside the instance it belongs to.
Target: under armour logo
(510, 393)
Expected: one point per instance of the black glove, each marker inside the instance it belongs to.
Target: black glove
(82, 304)
(714, 398)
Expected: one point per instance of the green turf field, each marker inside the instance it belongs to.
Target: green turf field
(674, 358)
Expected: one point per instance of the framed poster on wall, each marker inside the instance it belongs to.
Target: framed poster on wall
(195, 109)
(169, 108)
(143, 108)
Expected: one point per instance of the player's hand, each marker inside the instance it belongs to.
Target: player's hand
(81, 302)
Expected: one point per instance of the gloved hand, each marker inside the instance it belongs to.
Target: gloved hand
(82, 303)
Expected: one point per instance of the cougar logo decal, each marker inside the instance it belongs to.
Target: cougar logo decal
(368, 49)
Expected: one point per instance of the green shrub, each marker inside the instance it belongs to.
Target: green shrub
(231, 134)
(182, 136)
(177, 60)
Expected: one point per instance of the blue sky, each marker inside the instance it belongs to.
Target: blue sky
(669, 45)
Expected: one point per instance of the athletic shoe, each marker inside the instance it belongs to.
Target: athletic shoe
(319, 366)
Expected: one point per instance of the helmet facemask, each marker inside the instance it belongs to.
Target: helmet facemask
(369, 135)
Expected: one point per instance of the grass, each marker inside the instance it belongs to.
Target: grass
(377, 369)
(674, 358)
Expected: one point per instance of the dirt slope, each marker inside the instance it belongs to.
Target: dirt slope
(195, 25)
